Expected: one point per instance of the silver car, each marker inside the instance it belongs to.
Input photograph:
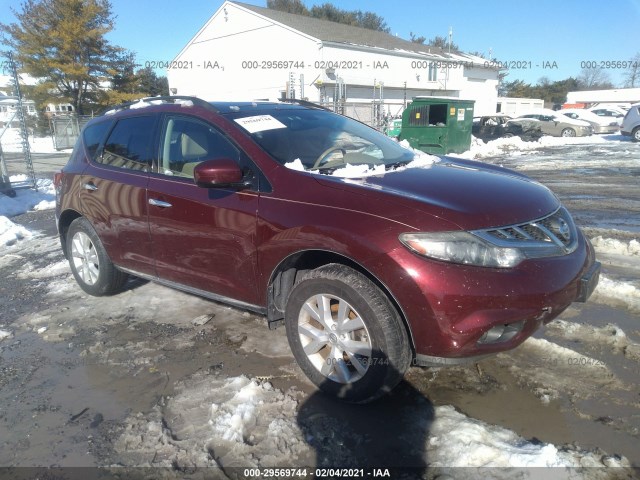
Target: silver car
(631, 123)
(552, 123)
(599, 124)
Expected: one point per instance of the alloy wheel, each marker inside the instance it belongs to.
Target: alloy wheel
(334, 338)
(85, 258)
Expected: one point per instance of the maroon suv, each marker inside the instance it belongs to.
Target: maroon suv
(372, 255)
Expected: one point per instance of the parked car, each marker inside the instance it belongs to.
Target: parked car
(556, 124)
(415, 259)
(490, 127)
(612, 113)
(631, 123)
(600, 124)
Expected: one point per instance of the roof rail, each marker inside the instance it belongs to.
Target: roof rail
(160, 100)
(304, 103)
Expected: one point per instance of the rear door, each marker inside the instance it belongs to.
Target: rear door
(113, 191)
(202, 237)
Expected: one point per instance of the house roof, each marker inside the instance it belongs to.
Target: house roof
(327, 31)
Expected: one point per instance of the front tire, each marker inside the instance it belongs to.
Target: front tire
(346, 335)
(568, 132)
(635, 135)
(89, 262)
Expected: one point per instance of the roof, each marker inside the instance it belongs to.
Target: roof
(327, 31)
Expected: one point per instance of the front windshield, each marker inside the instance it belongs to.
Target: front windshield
(321, 141)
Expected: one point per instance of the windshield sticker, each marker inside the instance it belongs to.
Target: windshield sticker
(259, 123)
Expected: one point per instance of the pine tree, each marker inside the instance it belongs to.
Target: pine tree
(62, 43)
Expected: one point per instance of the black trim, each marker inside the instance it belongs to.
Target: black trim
(196, 291)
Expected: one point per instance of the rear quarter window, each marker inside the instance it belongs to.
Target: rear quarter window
(92, 137)
(130, 144)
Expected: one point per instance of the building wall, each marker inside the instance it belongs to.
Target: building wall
(616, 95)
(518, 106)
(240, 55)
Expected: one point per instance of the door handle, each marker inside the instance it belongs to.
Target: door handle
(90, 187)
(159, 203)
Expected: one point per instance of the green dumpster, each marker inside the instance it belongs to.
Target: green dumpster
(438, 124)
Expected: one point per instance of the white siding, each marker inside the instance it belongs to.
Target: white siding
(235, 35)
(519, 106)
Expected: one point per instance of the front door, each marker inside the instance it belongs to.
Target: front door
(201, 237)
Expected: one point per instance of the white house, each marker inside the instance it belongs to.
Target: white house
(244, 52)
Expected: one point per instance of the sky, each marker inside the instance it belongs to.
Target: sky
(545, 38)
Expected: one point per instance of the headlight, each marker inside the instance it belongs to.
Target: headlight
(462, 247)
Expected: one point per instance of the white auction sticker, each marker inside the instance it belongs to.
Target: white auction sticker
(259, 123)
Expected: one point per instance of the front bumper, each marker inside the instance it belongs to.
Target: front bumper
(457, 312)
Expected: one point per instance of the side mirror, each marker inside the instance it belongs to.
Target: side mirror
(219, 173)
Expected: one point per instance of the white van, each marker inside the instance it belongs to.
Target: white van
(631, 123)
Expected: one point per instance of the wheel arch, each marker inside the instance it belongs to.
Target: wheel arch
(65, 220)
(288, 272)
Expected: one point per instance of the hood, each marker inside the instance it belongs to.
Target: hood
(469, 194)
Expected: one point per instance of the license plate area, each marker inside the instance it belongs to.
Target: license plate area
(588, 282)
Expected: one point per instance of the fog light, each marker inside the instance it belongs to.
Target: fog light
(501, 333)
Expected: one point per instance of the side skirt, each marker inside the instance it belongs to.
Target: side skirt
(201, 293)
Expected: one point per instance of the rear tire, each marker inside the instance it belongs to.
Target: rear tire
(89, 262)
(635, 135)
(346, 335)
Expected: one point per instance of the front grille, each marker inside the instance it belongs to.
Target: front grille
(554, 234)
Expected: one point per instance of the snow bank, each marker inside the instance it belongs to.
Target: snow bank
(28, 199)
(514, 145)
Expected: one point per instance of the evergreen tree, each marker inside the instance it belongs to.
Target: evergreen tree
(62, 43)
(417, 39)
(330, 12)
(289, 6)
(443, 43)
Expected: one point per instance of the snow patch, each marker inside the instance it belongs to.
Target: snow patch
(359, 171)
(224, 422)
(609, 334)
(27, 199)
(459, 441)
(12, 142)
(618, 291)
(295, 165)
(548, 369)
(5, 334)
(615, 246)
(10, 233)
(420, 160)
